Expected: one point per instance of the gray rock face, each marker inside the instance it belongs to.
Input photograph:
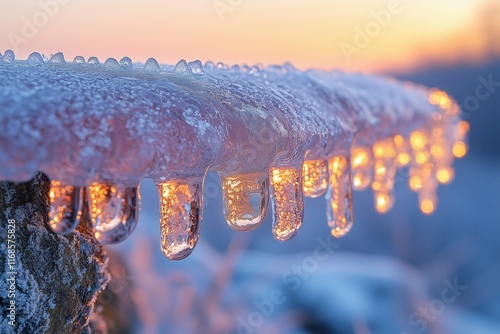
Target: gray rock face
(55, 278)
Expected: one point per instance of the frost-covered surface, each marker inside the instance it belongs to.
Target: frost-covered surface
(57, 277)
(122, 122)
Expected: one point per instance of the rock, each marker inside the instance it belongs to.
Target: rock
(57, 277)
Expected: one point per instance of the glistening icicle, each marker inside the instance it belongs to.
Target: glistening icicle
(384, 152)
(236, 121)
(181, 209)
(314, 177)
(245, 199)
(287, 202)
(362, 167)
(114, 211)
(65, 207)
(339, 196)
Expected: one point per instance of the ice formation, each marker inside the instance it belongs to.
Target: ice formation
(273, 134)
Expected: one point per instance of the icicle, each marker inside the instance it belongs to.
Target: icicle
(314, 178)
(65, 207)
(287, 202)
(362, 167)
(385, 169)
(245, 199)
(339, 196)
(180, 216)
(403, 157)
(114, 211)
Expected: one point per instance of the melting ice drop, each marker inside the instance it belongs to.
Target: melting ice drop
(65, 207)
(180, 216)
(114, 211)
(245, 199)
(339, 196)
(314, 178)
(287, 202)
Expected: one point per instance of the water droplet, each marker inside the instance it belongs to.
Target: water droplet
(220, 65)
(428, 203)
(235, 69)
(151, 65)
(111, 63)
(58, 58)
(287, 202)
(339, 196)
(315, 178)
(180, 216)
(114, 211)
(126, 62)
(196, 67)
(384, 201)
(209, 65)
(79, 60)
(35, 59)
(245, 199)
(65, 207)
(9, 57)
(93, 61)
(362, 167)
(181, 67)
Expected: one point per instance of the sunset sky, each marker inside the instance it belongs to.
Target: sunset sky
(310, 33)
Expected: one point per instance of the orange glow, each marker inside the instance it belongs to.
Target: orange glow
(463, 128)
(444, 176)
(459, 149)
(418, 140)
(382, 202)
(427, 207)
(440, 98)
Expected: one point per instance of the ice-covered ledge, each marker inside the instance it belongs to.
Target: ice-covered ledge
(102, 127)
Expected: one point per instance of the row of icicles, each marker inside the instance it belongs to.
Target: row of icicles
(114, 208)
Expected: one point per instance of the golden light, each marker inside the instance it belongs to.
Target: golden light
(459, 149)
(427, 206)
(360, 157)
(438, 97)
(403, 159)
(382, 202)
(418, 140)
(314, 178)
(444, 176)
(421, 158)
(416, 183)
(288, 204)
(437, 151)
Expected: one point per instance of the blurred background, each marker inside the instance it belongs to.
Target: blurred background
(400, 273)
